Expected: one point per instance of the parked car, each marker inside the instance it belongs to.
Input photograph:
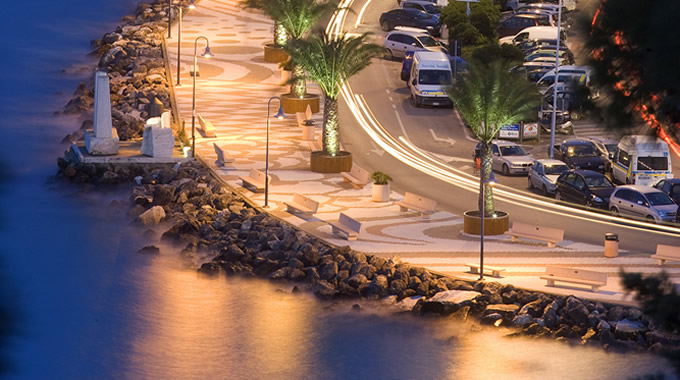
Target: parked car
(580, 154)
(458, 65)
(643, 202)
(671, 187)
(516, 23)
(400, 40)
(584, 187)
(565, 55)
(543, 175)
(607, 147)
(508, 157)
(533, 33)
(409, 17)
(528, 45)
(422, 5)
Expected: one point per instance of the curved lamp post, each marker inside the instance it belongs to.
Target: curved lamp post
(180, 10)
(279, 115)
(206, 54)
(491, 181)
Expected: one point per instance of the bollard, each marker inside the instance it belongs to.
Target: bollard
(611, 245)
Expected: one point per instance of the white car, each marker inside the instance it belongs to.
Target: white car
(508, 157)
(543, 175)
(398, 41)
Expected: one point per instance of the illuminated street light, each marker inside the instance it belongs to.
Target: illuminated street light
(491, 181)
(206, 54)
(279, 115)
(179, 41)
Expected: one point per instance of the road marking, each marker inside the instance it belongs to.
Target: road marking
(390, 98)
(465, 131)
(394, 106)
(440, 139)
(376, 150)
(401, 124)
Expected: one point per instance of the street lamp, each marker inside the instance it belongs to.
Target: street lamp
(557, 69)
(491, 181)
(206, 54)
(179, 41)
(279, 115)
(170, 18)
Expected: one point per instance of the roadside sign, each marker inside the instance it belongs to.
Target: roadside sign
(509, 131)
(530, 130)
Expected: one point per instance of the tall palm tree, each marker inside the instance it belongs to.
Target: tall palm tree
(330, 62)
(488, 97)
(272, 9)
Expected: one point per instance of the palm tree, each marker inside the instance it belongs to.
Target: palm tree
(272, 9)
(330, 62)
(488, 97)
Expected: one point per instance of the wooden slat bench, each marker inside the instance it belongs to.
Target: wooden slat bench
(222, 156)
(418, 203)
(495, 272)
(357, 176)
(577, 276)
(255, 180)
(666, 252)
(207, 128)
(346, 227)
(302, 205)
(549, 235)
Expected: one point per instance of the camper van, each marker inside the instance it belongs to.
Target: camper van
(641, 160)
(430, 78)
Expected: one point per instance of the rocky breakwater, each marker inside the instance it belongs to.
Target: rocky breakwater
(132, 55)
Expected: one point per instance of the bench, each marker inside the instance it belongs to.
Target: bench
(578, 276)
(495, 272)
(255, 179)
(222, 156)
(302, 205)
(549, 235)
(207, 128)
(424, 206)
(666, 252)
(346, 227)
(357, 176)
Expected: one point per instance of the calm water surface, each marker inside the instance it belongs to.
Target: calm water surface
(89, 307)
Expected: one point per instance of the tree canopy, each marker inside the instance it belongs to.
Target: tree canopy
(482, 24)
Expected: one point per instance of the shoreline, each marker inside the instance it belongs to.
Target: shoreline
(207, 216)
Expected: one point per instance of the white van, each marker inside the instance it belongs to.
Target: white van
(430, 78)
(534, 33)
(568, 74)
(641, 160)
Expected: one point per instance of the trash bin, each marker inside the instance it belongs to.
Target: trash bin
(611, 245)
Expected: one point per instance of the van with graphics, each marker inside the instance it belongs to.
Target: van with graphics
(430, 79)
(641, 160)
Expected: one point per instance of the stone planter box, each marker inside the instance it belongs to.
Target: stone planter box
(472, 223)
(292, 104)
(321, 162)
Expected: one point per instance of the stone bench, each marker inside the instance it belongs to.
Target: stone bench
(549, 235)
(302, 205)
(577, 276)
(255, 180)
(222, 156)
(357, 176)
(420, 204)
(206, 127)
(495, 272)
(666, 253)
(346, 227)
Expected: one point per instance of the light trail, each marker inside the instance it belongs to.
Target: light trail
(361, 14)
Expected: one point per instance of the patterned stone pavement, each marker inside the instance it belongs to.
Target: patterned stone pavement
(232, 91)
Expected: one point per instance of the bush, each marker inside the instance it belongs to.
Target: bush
(380, 178)
(493, 52)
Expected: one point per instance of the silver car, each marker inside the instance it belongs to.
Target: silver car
(642, 202)
(543, 175)
(509, 158)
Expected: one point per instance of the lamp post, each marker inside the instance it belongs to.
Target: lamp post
(179, 41)
(170, 18)
(206, 54)
(491, 181)
(279, 115)
(557, 69)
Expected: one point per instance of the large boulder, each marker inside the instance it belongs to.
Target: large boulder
(152, 216)
(576, 311)
(357, 280)
(506, 311)
(629, 330)
(533, 308)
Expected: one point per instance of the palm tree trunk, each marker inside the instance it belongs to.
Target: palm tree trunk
(280, 35)
(487, 203)
(299, 86)
(331, 142)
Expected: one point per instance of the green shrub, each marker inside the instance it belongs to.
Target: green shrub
(380, 178)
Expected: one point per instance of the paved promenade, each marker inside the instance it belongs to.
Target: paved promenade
(232, 92)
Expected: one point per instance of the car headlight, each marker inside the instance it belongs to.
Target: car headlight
(601, 167)
(596, 198)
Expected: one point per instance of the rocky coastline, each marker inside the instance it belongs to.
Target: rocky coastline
(203, 216)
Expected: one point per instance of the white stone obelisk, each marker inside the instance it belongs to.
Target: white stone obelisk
(102, 140)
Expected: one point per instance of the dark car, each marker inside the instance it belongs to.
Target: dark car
(670, 187)
(409, 17)
(584, 187)
(580, 154)
(515, 23)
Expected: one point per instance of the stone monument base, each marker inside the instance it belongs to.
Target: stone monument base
(101, 146)
(158, 142)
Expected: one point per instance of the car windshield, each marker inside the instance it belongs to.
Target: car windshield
(442, 77)
(581, 151)
(428, 41)
(659, 199)
(422, 14)
(598, 181)
(430, 8)
(555, 169)
(512, 150)
(611, 148)
(652, 163)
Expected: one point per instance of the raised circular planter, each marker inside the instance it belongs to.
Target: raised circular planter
(292, 104)
(322, 162)
(274, 54)
(493, 225)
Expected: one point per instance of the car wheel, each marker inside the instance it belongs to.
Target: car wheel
(531, 184)
(415, 101)
(545, 191)
(390, 55)
(575, 115)
(385, 26)
(558, 195)
(650, 219)
(506, 170)
(615, 211)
